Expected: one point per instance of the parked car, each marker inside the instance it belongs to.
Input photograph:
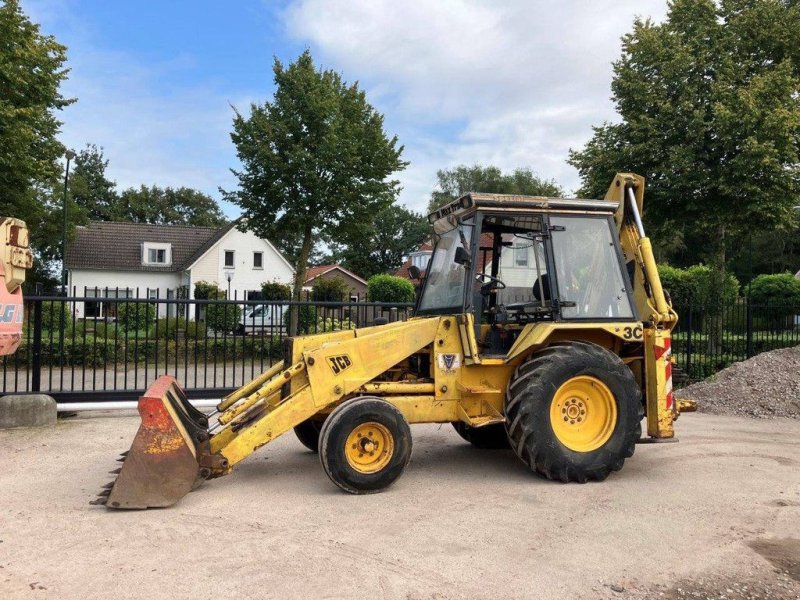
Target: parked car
(263, 320)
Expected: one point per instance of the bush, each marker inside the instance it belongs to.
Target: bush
(53, 315)
(165, 328)
(388, 288)
(779, 290)
(203, 290)
(331, 324)
(135, 315)
(306, 319)
(274, 290)
(696, 284)
(223, 317)
(333, 289)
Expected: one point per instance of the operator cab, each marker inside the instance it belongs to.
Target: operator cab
(515, 260)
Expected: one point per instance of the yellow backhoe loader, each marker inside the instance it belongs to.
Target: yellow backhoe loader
(540, 324)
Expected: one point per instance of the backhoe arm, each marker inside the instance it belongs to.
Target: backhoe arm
(655, 311)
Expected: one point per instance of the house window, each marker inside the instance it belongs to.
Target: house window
(156, 254)
(229, 264)
(521, 256)
(258, 260)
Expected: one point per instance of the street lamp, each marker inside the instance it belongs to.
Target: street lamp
(70, 155)
(229, 276)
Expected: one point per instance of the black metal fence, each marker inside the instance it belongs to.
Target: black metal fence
(111, 346)
(710, 338)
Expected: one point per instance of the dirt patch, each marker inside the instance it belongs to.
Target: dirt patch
(717, 588)
(784, 554)
(765, 386)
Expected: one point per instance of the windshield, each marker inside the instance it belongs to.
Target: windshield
(444, 279)
(588, 269)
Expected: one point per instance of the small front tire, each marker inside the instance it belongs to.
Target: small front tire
(365, 444)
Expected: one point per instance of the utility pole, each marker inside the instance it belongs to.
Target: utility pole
(70, 155)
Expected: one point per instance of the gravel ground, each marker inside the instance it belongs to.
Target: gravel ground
(765, 386)
(714, 516)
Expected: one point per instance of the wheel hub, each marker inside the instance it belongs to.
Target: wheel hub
(369, 447)
(583, 413)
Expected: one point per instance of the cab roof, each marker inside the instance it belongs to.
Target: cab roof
(478, 200)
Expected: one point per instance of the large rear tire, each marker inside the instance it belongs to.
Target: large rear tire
(574, 412)
(308, 433)
(488, 437)
(365, 445)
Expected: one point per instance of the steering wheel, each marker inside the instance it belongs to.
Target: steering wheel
(492, 283)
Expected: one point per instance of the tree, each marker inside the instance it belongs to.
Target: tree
(89, 187)
(316, 162)
(381, 245)
(167, 206)
(456, 182)
(388, 288)
(710, 114)
(31, 72)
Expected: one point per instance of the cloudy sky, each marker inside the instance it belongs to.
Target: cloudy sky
(514, 83)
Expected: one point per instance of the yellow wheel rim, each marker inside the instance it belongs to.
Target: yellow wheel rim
(583, 413)
(369, 447)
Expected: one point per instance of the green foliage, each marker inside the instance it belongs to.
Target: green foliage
(388, 288)
(331, 324)
(456, 182)
(223, 317)
(274, 290)
(316, 161)
(699, 284)
(168, 206)
(330, 289)
(168, 328)
(204, 290)
(92, 192)
(31, 72)
(782, 290)
(306, 319)
(219, 317)
(102, 351)
(55, 315)
(710, 116)
(135, 315)
(381, 244)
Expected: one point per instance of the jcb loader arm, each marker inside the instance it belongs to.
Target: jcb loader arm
(175, 450)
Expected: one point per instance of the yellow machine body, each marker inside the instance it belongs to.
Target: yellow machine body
(431, 368)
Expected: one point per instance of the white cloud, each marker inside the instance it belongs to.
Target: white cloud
(514, 83)
(151, 132)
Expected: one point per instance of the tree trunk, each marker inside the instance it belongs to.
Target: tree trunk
(300, 279)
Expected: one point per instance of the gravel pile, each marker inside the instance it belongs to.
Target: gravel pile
(765, 386)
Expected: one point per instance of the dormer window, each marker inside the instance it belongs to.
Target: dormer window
(157, 255)
(420, 259)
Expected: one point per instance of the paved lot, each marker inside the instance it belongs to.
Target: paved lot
(715, 513)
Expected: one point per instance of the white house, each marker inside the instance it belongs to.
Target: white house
(126, 260)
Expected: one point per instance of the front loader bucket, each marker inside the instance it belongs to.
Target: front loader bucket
(161, 466)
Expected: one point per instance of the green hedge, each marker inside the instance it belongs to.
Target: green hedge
(97, 352)
(696, 284)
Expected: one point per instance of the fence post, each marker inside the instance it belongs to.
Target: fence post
(689, 340)
(749, 327)
(36, 350)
